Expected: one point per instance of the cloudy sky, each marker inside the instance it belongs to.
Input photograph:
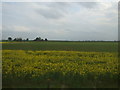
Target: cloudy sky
(60, 20)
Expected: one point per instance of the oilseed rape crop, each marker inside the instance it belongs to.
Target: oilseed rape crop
(59, 69)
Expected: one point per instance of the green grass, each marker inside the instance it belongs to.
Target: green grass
(63, 46)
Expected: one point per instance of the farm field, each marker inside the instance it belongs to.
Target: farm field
(60, 64)
(62, 46)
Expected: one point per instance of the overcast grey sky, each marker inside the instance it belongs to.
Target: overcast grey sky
(60, 20)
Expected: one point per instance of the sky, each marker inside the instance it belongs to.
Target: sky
(74, 21)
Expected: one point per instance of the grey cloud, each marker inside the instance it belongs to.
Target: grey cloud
(88, 4)
(52, 13)
(119, 5)
(69, 30)
(59, 4)
(58, 10)
(69, 21)
(54, 10)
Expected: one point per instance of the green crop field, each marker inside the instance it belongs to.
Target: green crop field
(63, 46)
(60, 64)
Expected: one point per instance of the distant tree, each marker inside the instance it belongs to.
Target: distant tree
(42, 40)
(14, 39)
(9, 39)
(17, 39)
(27, 39)
(46, 39)
(38, 39)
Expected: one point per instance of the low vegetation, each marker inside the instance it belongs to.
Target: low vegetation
(53, 64)
(62, 46)
(55, 69)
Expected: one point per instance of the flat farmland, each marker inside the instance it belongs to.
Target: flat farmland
(60, 64)
(63, 46)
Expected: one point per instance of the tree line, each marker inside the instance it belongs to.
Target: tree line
(27, 39)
